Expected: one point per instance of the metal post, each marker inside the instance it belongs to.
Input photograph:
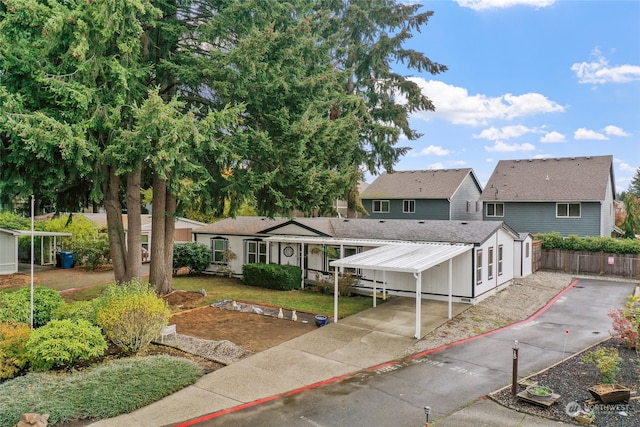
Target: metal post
(514, 381)
(427, 411)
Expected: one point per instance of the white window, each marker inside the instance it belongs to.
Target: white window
(526, 250)
(218, 250)
(479, 266)
(381, 206)
(255, 251)
(495, 209)
(568, 210)
(490, 263)
(500, 260)
(409, 206)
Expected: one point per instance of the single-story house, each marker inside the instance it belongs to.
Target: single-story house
(182, 233)
(459, 261)
(47, 248)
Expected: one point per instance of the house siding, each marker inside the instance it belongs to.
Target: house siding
(608, 212)
(428, 209)
(541, 218)
(467, 195)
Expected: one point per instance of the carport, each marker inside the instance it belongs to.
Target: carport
(411, 258)
(9, 247)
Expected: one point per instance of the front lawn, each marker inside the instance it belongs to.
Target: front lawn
(224, 288)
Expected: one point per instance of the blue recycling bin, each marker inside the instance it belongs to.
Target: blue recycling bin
(67, 259)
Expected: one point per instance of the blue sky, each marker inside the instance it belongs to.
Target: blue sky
(528, 79)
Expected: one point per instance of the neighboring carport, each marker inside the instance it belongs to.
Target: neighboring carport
(9, 247)
(411, 258)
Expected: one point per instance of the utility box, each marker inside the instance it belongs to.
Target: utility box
(67, 259)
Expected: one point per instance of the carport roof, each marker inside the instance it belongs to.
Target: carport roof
(403, 257)
(35, 233)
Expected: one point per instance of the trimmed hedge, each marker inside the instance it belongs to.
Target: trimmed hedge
(272, 276)
(589, 244)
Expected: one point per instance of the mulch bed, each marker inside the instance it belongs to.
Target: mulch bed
(571, 380)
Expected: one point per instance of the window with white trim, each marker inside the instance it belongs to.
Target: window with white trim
(490, 263)
(408, 206)
(500, 255)
(381, 206)
(526, 250)
(568, 210)
(495, 209)
(255, 251)
(479, 266)
(219, 246)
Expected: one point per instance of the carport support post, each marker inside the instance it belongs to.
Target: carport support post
(335, 295)
(450, 285)
(374, 287)
(418, 277)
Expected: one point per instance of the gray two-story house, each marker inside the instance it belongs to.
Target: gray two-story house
(570, 195)
(441, 194)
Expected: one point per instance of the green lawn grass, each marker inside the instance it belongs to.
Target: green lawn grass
(225, 288)
(114, 388)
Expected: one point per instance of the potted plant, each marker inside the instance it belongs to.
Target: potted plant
(607, 361)
(539, 391)
(585, 417)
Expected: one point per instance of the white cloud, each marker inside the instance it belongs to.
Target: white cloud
(552, 137)
(458, 163)
(615, 131)
(599, 71)
(542, 156)
(432, 150)
(623, 166)
(501, 147)
(438, 165)
(501, 4)
(457, 106)
(506, 132)
(584, 133)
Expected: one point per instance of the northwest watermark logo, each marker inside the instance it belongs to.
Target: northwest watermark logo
(575, 408)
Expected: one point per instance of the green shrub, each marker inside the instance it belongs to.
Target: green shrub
(272, 276)
(607, 360)
(589, 244)
(75, 310)
(131, 315)
(195, 256)
(346, 283)
(13, 352)
(16, 306)
(64, 342)
(92, 253)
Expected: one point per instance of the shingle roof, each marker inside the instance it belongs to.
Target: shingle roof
(562, 179)
(372, 229)
(418, 184)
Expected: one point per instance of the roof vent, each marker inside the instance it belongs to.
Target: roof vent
(346, 220)
(420, 222)
(464, 223)
(382, 220)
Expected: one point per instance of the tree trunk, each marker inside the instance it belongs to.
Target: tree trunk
(134, 225)
(115, 228)
(160, 269)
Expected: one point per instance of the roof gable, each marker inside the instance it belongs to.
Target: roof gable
(418, 184)
(548, 180)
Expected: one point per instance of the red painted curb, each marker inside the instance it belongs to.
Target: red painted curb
(374, 368)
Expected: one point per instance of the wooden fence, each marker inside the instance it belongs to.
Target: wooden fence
(592, 263)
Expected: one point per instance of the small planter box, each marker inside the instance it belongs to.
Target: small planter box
(610, 393)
